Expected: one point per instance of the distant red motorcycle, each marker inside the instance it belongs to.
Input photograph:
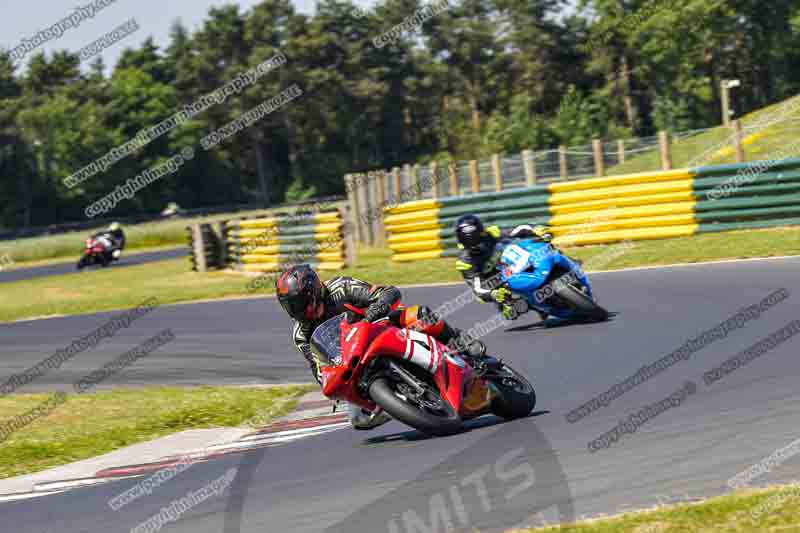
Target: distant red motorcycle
(413, 377)
(99, 250)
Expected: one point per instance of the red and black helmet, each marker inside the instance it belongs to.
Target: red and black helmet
(301, 293)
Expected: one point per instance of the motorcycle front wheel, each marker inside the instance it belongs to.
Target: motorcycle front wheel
(516, 397)
(427, 412)
(577, 300)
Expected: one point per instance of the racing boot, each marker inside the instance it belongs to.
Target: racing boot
(365, 420)
(473, 349)
(424, 319)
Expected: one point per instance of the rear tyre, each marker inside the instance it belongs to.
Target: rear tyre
(580, 303)
(440, 421)
(81, 263)
(516, 397)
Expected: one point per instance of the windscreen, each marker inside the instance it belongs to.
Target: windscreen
(326, 341)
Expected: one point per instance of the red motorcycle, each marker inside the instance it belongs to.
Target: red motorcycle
(99, 250)
(413, 377)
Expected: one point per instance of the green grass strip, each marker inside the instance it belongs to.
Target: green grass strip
(771, 510)
(89, 425)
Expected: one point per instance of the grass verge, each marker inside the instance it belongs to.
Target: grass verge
(172, 282)
(766, 510)
(89, 425)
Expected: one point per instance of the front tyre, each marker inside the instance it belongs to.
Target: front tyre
(580, 303)
(515, 394)
(432, 415)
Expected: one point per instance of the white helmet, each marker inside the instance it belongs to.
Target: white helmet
(114, 226)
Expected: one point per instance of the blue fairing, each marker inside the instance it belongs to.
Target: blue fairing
(526, 266)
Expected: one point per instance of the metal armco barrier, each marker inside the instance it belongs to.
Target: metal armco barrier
(651, 205)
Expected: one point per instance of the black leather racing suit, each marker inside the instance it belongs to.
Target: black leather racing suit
(478, 267)
(339, 291)
(376, 301)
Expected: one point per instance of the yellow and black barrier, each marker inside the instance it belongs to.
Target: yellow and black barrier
(650, 205)
(272, 243)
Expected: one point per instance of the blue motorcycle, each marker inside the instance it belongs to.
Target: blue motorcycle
(543, 278)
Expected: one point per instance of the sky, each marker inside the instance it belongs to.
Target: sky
(24, 19)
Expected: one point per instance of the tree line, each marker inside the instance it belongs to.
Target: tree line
(471, 78)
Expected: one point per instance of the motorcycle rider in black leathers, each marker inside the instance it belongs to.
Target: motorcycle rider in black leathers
(482, 248)
(116, 236)
(310, 302)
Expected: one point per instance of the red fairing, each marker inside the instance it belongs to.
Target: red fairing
(449, 371)
(362, 342)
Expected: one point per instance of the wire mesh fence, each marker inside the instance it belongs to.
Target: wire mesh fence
(772, 138)
(513, 171)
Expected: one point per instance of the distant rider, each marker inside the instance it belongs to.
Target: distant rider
(115, 237)
(482, 248)
(310, 302)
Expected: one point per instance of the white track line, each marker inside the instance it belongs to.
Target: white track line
(301, 431)
(278, 438)
(29, 495)
(689, 265)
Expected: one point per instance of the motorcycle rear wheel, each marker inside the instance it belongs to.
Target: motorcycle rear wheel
(516, 397)
(385, 393)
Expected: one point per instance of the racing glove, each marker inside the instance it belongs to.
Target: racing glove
(313, 363)
(501, 295)
(377, 310)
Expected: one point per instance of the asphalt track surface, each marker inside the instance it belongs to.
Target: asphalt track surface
(494, 476)
(129, 259)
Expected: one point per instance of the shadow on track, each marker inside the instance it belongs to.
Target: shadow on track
(552, 323)
(508, 477)
(413, 435)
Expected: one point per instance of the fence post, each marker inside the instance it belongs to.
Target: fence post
(497, 170)
(416, 181)
(434, 167)
(373, 211)
(530, 167)
(221, 233)
(738, 136)
(475, 175)
(562, 162)
(599, 164)
(452, 172)
(380, 204)
(198, 248)
(363, 214)
(386, 184)
(349, 241)
(621, 150)
(666, 152)
(352, 196)
(383, 182)
(396, 184)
